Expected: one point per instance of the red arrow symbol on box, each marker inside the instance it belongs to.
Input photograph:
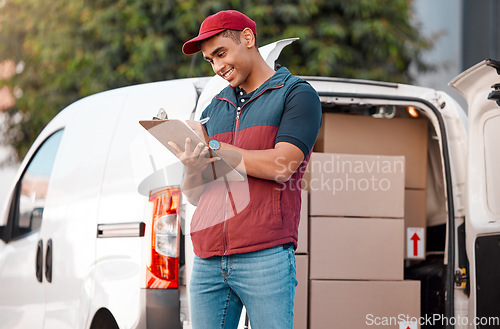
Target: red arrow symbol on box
(415, 239)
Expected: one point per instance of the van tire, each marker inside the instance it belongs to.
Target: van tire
(103, 319)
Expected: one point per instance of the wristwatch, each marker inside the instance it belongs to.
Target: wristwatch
(214, 144)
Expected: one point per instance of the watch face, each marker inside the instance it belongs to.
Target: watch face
(214, 144)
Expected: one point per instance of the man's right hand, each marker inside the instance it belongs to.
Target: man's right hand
(194, 160)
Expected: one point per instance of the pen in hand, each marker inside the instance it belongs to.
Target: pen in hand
(204, 120)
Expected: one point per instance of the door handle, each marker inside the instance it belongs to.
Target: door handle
(39, 261)
(48, 261)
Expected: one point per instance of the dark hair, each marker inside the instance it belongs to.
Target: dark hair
(233, 34)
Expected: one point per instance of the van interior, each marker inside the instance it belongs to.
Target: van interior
(430, 269)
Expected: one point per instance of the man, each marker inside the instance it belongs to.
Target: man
(245, 250)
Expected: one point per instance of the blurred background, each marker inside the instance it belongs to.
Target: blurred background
(55, 52)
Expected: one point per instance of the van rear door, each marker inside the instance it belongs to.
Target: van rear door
(480, 85)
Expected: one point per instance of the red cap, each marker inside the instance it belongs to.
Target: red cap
(215, 24)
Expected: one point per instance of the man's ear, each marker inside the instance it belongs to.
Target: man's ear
(247, 38)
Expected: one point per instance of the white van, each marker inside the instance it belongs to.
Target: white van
(85, 241)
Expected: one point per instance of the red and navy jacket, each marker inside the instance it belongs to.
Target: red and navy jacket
(239, 217)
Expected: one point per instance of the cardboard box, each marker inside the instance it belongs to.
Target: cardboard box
(355, 185)
(301, 292)
(303, 244)
(341, 133)
(415, 217)
(356, 248)
(362, 304)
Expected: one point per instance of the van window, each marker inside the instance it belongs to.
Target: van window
(27, 208)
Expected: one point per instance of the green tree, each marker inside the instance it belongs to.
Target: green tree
(74, 48)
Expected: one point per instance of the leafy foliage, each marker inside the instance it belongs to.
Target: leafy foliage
(74, 48)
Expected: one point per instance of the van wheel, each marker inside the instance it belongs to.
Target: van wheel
(103, 319)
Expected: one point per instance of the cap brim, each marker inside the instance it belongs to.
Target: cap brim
(191, 46)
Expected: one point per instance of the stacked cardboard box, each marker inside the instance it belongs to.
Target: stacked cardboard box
(355, 185)
(363, 304)
(356, 248)
(356, 208)
(342, 133)
(367, 189)
(356, 224)
(366, 182)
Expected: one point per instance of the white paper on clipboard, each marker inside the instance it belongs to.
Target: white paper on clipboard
(177, 131)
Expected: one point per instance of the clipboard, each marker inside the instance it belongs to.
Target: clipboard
(177, 131)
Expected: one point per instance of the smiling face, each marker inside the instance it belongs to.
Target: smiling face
(229, 59)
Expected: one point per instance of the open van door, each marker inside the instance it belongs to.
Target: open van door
(480, 86)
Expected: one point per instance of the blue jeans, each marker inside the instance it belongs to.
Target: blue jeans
(264, 281)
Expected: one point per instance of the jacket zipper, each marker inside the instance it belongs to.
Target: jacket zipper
(237, 123)
(236, 127)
